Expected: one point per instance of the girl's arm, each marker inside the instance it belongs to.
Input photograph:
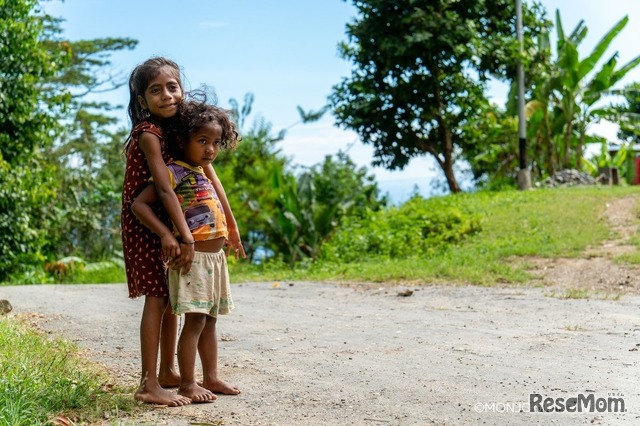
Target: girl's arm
(234, 234)
(141, 207)
(150, 146)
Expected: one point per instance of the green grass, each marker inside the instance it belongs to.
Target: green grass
(98, 273)
(515, 225)
(42, 378)
(633, 257)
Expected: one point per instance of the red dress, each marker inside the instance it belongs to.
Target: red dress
(146, 271)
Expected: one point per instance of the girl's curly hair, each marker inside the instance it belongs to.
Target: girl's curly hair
(195, 113)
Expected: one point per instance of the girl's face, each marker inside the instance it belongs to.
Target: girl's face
(163, 94)
(203, 144)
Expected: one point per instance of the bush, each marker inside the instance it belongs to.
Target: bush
(418, 228)
(26, 192)
(75, 270)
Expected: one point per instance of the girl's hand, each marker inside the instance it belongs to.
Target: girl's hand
(235, 243)
(170, 246)
(183, 261)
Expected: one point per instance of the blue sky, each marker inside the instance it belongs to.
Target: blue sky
(285, 53)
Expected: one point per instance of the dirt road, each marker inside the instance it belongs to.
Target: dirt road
(321, 354)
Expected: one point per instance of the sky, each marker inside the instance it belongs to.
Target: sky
(285, 52)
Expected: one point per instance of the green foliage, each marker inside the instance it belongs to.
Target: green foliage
(566, 97)
(41, 378)
(491, 148)
(311, 207)
(43, 114)
(420, 70)
(280, 213)
(28, 111)
(419, 228)
(338, 180)
(604, 159)
(245, 174)
(27, 191)
(509, 226)
(627, 114)
(75, 270)
(90, 174)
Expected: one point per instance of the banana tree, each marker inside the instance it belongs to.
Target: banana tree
(565, 95)
(574, 94)
(302, 222)
(604, 159)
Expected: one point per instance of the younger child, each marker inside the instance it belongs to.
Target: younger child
(203, 292)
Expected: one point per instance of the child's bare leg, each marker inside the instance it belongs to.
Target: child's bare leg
(168, 376)
(150, 390)
(208, 348)
(187, 349)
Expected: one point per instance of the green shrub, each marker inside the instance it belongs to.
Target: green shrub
(26, 192)
(417, 228)
(75, 270)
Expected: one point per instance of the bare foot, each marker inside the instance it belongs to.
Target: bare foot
(170, 379)
(196, 393)
(220, 386)
(161, 397)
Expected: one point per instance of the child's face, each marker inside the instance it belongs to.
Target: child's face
(163, 94)
(203, 144)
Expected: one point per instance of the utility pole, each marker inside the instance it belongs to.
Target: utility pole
(524, 174)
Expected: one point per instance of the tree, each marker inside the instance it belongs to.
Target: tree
(565, 102)
(90, 169)
(27, 124)
(420, 73)
(282, 213)
(26, 118)
(628, 113)
(337, 179)
(44, 120)
(314, 204)
(245, 174)
(90, 173)
(491, 147)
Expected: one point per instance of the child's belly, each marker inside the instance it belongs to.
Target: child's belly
(210, 246)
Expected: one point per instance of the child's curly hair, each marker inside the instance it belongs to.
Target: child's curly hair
(195, 113)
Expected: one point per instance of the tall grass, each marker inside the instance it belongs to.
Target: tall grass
(41, 378)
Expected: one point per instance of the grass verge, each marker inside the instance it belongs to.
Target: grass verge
(514, 225)
(43, 379)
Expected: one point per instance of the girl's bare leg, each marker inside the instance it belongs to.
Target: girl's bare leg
(208, 348)
(150, 390)
(187, 350)
(168, 376)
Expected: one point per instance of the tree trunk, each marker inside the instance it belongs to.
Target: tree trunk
(551, 149)
(447, 168)
(580, 148)
(447, 151)
(566, 161)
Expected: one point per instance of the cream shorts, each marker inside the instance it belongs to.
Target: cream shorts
(204, 289)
